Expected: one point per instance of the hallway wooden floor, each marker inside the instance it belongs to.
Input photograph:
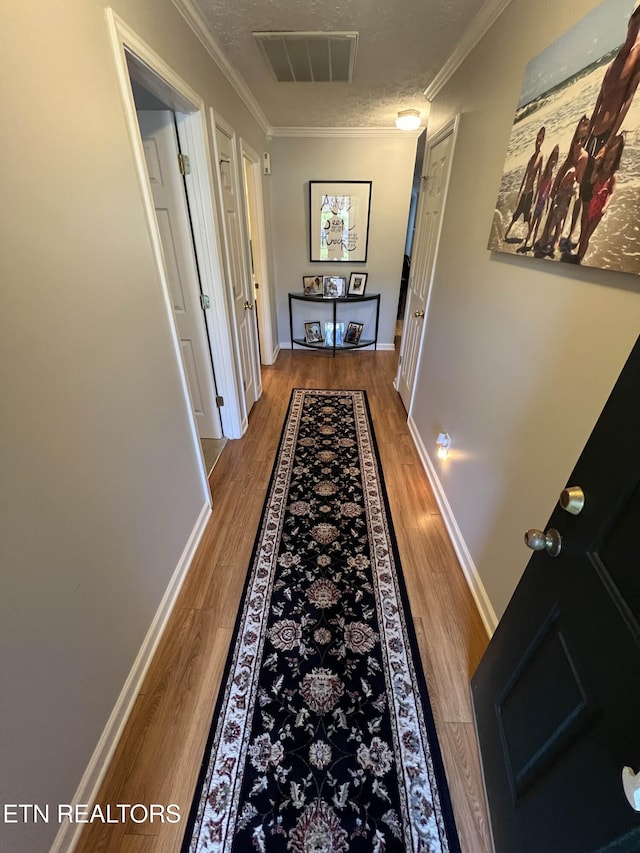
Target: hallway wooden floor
(158, 758)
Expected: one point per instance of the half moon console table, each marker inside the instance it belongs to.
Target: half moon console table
(333, 304)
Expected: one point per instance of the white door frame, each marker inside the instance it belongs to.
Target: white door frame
(254, 198)
(190, 111)
(450, 128)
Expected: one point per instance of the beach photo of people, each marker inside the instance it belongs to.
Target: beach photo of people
(570, 189)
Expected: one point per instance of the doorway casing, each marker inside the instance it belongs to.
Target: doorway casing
(133, 56)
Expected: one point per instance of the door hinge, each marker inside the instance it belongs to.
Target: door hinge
(399, 360)
(183, 163)
(205, 302)
(219, 401)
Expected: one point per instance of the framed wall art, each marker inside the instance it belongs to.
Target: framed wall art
(339, 220)
(569, 185)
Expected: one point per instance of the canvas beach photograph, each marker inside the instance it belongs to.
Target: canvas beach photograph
(569, 191)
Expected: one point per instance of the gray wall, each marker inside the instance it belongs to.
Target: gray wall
(388, 163)
(100, 483)
(519, 355)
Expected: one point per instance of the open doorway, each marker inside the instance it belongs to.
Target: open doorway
(428, 222)
(256, 229)
(167, 166)
(238, 266)
(138, 63)
(408, 247)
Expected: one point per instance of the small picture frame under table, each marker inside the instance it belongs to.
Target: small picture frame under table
(353, 333)
(313, 332)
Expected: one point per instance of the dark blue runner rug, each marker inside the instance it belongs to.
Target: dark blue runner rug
(323, 739)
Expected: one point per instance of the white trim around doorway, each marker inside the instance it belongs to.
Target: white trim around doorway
(449, 129)
(192, 130)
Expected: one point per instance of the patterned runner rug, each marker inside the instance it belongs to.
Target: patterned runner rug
(323, 739)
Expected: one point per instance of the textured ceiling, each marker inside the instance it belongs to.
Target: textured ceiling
(402, 45)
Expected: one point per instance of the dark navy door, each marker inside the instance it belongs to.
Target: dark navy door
(557, 694)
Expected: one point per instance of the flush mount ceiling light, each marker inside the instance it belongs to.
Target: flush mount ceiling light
(408, 119)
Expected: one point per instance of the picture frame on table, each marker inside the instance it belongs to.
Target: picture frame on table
(313, 332)
(353, 333)
(339, 220)
(312, 285)
(334, 286)
(357, 284)
(329, 332)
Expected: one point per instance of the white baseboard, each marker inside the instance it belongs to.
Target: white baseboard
(69, 833)
(271, 358)
(275, 354)
(487, 613)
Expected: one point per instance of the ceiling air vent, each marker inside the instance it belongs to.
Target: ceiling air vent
(310, 57)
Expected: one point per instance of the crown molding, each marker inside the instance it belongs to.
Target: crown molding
(485, 18)
(197, 23)
(354, 132)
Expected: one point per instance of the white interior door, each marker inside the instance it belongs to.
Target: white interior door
(240, 276)
(435, 178)
(159, 140)
(255, 219)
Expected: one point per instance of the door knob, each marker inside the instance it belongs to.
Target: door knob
(550, 541)
(248, 305)
(418, 314)
(631, 786)
(572, 499)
